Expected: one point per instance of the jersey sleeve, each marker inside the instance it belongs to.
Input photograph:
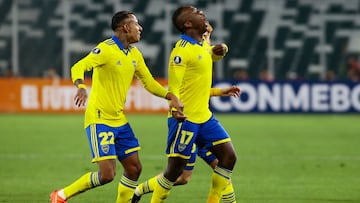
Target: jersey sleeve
(176, 70)
(142, 72)
(96, 58)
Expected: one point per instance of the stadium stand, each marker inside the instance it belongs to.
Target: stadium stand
(295, 37)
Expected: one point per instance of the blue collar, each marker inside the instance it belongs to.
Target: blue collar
(190, 39)
(120, 45)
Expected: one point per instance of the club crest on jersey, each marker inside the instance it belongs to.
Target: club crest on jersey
(96, 50)
(134, 63)
(199, 57)
(105, 148)
(181, 147)
(177, 59)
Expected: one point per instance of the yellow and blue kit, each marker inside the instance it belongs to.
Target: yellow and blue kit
(190, 78)
(114, 68)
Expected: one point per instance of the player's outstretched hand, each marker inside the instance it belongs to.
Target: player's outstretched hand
(231, 91)
(80, 97)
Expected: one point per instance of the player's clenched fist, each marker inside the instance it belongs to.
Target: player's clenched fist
(220, 49)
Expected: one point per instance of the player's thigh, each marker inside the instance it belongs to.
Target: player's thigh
(181, 138)
(215, 138)
(101, 141)
(126, 144)
(107, 168)
(132, 166)
(225, 154)
(211, 133)
(191, 162)
(207, 156)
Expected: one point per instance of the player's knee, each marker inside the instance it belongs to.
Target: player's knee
(133, 171)
(137, 169)
(228, 161)
(175, 168)
(107, 176)
(232, 159)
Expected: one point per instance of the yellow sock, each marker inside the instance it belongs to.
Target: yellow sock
(146, 187)
(229, 194)
(161, 190)
(126, 190)
(85, 182)
(219, 181)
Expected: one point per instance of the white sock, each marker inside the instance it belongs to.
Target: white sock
(137, 191)
(61, 194)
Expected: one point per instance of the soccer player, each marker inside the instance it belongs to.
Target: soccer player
(114, 63)
(190, 78)
(204, 153)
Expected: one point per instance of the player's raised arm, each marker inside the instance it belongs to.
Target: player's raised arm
(218, 51)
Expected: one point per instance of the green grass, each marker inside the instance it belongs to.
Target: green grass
(281, 158)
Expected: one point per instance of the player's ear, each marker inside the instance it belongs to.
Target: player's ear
(187, 24)
(126, 28)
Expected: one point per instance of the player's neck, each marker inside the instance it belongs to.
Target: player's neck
(123, 39)
(194, 35)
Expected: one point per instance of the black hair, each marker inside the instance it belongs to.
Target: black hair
(175, 16)
(118, 18)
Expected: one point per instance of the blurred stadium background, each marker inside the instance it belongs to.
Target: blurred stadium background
(287, 55)
(280, 39)
(299, 56)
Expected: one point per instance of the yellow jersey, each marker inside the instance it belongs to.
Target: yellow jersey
(114, 68)
(190, 77)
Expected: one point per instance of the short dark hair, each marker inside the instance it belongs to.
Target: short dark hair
(175, 20)
(118, 18)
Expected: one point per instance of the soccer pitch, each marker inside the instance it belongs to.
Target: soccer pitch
(281, 158)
